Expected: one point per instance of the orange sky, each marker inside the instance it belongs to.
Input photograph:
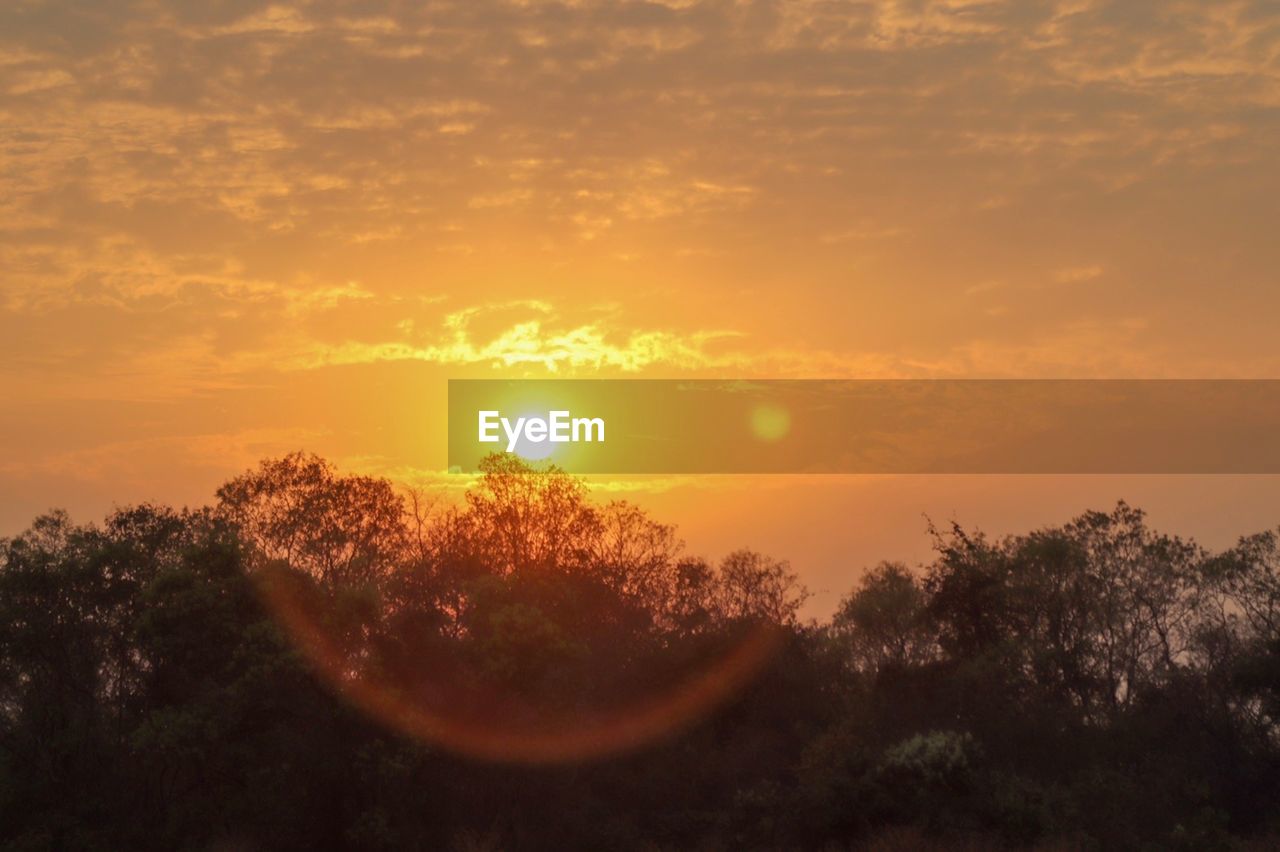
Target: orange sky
(229, 230)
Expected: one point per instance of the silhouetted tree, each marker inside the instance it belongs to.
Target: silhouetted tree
(883, 622)
(230, 677)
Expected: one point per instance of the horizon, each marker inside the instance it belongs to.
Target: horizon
(239, 230)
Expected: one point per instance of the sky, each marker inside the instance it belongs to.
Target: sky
(229, 230)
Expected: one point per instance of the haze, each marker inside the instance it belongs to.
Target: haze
(232, 230)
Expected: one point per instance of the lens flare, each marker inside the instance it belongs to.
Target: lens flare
(770, 422)
(442, 701)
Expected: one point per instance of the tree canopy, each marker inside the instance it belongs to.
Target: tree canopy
(320, 660)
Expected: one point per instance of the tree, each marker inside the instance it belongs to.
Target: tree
(756, 587)
(883, 622)
(1095, 683)
(297, 511)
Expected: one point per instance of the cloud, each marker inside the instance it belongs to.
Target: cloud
(533, 343)
(1076, 274)
(208, 197)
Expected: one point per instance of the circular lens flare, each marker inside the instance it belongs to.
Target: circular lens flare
(770, 422)
(448, 709)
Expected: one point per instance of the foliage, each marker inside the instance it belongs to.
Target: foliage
(1095, 685)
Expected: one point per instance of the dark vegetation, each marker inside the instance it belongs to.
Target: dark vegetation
(1094, 685)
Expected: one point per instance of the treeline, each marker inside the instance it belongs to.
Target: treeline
(318, 661)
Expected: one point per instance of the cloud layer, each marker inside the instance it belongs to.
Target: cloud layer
(203, 200)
